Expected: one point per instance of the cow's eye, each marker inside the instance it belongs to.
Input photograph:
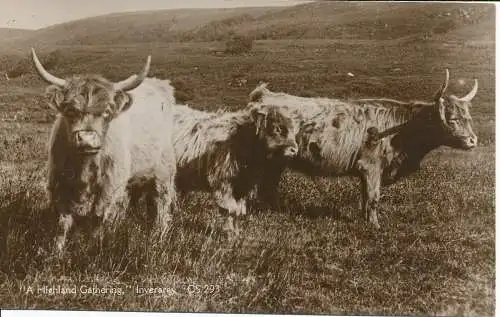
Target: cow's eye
(277, 129)
(72, 113)
(283, 129)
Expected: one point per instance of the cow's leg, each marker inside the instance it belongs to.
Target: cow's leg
(163, 200)
(232, 225)
(241, 211)
(65, 224)
(117, 207)
(235, 208)
(110, 206)
(370, 176)
(370, 183)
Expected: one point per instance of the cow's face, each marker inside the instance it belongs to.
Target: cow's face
(457, 123)
(87, 106)
(455, 119)
(276, 130)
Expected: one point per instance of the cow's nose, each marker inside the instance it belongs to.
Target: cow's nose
(291, 151)
(472, 141)
(87, 139)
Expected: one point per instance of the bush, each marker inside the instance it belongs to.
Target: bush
(445, 26)
(22, 67)
(52, 60)
(239, 44)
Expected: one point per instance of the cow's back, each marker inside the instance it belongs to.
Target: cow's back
(142, 135)
(194, 133)
(332, 130)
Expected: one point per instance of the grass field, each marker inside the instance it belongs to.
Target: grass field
(433, 255)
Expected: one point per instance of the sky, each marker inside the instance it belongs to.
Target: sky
(35, 14)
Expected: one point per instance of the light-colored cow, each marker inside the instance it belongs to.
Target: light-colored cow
(377, 140)
(105, 134)
(223, 152)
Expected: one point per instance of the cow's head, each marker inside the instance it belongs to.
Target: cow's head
(455, 118)
(88, 104)
(276, 130)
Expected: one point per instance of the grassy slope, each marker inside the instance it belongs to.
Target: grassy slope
(435, 253)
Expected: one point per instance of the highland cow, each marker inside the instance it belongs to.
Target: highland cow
(378, 140)
(105, 134)
(223, 152)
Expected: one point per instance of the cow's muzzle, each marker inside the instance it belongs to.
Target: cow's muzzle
(470, 142)
(87, 142)
(291, 151)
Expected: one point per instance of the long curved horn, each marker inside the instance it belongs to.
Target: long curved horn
(472, 93)
(443, 88)
(135, 80)
(446, 81)
(48, 77)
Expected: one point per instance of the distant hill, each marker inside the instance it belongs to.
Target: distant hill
(133, 27)
(348, 20)
(317, 20)
(10, 34)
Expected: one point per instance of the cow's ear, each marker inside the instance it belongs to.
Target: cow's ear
(123, 101)
(259, 116)
(54, 96)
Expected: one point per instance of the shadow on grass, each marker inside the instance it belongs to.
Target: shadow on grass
(28, 228)
(296, 208)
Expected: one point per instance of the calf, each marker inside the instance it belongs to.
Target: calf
(223, 153)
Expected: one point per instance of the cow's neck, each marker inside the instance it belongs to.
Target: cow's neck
(417, 137)
(249, 154)
(84, 172)
(247, 147)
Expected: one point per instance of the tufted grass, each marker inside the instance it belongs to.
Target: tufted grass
(433, 255)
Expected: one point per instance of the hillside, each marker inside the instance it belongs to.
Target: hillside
(319, 20)
(367, 21)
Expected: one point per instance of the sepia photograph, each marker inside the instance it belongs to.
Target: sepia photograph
(230, 156)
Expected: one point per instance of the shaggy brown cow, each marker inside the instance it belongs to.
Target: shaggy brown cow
(223, 152)
(105, 134)
(334, 139)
